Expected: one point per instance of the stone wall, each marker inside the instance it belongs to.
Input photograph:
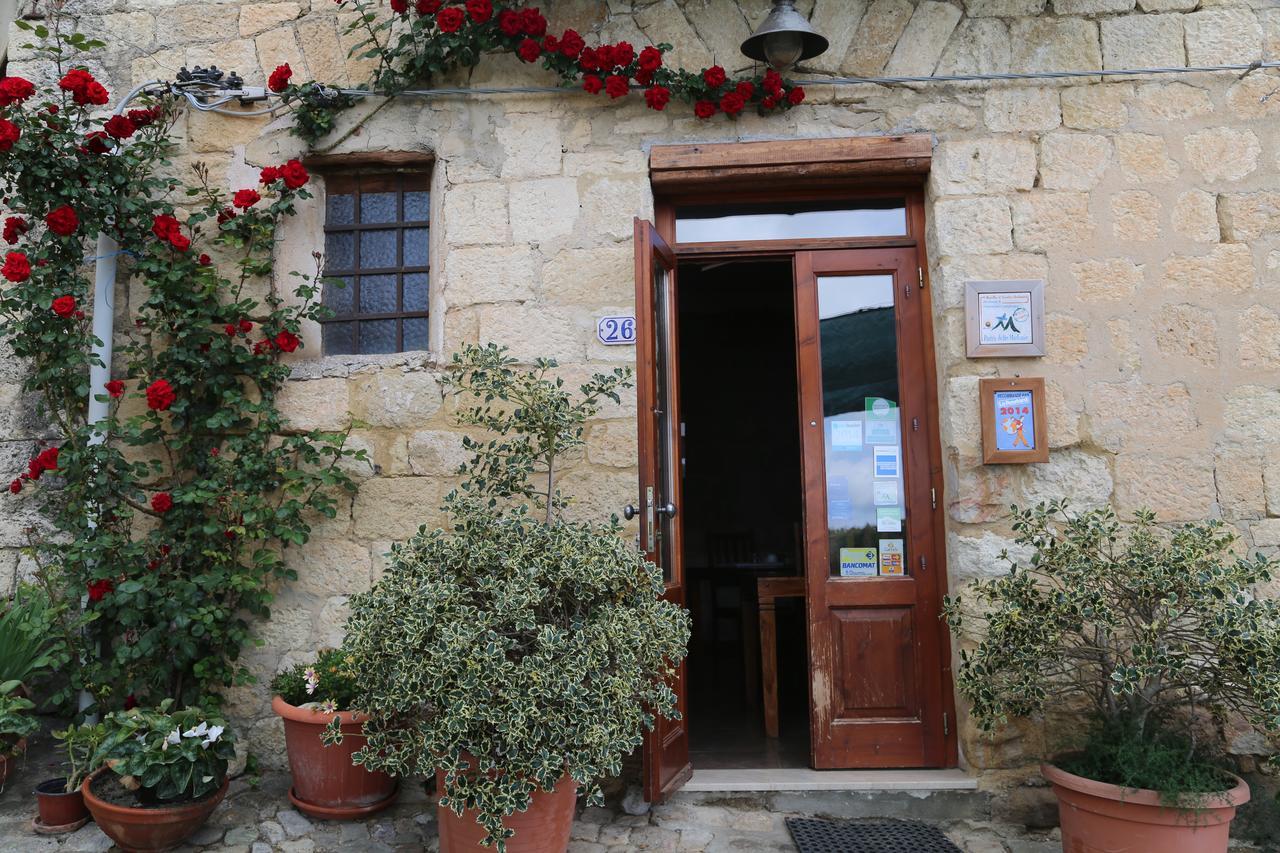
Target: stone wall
(1150, 206)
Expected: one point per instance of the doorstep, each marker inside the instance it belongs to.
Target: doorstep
(804, 779)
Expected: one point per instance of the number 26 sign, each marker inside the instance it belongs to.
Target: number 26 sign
(616, 331)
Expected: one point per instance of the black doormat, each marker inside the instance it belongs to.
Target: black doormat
(814, 835)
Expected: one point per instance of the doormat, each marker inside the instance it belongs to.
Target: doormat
(814, 835)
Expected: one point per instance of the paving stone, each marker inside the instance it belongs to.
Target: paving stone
(242, 835)
(294, 824)
(260, 847)
(273, 831)
(87, 839)
(207, 834)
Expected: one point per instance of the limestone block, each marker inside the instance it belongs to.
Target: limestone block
(1003, 8)
(192, 22)
(970, 226)
(1173, 101)
(543, 209)
(136, 30)
(1127, 358)
(1067, 339)
(1098, 105)
(1050, 220)
(665, 22)
(612, 444)
(1063, 414)
(1135, 216)
(1253, 414)
(330, 627)
(1238, 475)
(1175, 487)
(1055, 44)
(489, 274)
(879, 31)
(951, 272)
(941, 116)
(266, 740)
(1143, 41)
(436, 452)
(1266, 533)
(1186, 331)
(611, 205)
(321, 404)
(981, 493)
(1271, 478)
(1195, 216)
(1228, 268)
(1122, 413)
(1259, 345)
(216, 133)
(534, 331)
(322, 48)
(1073, 161)
(288, 628)
(328, 566)
(961, 418)
(1270, 20)
(277, 47)
(984, 165)
(1091, 7)
(394, 398)
(838, 20)
(1223, 153)
(923, 40)
(1145, 158)
(1167, 5)
(476, 214)
(978, 46)
(597, 495)
(602, 276)
(1247, 216)
(1107, 280)
(395, 507)
(1081, 477)
(532, 145)
(256, 17)
(722, 28)
(1021, 108)
(236, 55)
(1223, 36)
(983, 556)
(1254, 97)
(581, 15)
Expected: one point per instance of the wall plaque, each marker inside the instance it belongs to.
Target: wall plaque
(1004, 318)
(1014, 428)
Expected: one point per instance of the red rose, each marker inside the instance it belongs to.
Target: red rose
(480, 10)
(450, 19)
(262, 346)
(96, 142)
(704, 109)
(99, 589)
(644, 78)
(604, 56)
(589, 59)
(532, 22)
(48, 459)
(714, 77)
(529, 50)
(63, 221)
(33, 469)
(623, 54)
(15, 487)
(427, 7)
(732, 103)
(769, 102)
(75, 80)
(14, 90)
(9, 134)
(246, 326)
(142, 118)
(130, 702)
(509, 22)
(773, 82)
(160, 395)
(571, 44)
(400, 7)
(246, 198)
(161, 502)
(268, 175)
(16, 267)
(94, 93)
(657, 97)
(279, 79)
(650, 59)
(119, 127)
(616, 85)
(746, 89)
(551, 44)
(592, 84)
(64, 306)
(294, 174)
(14, 227)
(115, 389)
(181, 242)
(286, 341)
(165, 226)
(230, 329)
(226, 215)
(796, 96)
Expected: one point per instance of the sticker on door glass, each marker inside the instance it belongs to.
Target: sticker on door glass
(859, 562)
(839, 503)
(887, 460)
(882, 421)
(846, 436)
(891, 557)
(1015, 420)
(884, 492)
(889, 519)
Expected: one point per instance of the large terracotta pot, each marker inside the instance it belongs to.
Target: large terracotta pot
(9, 758)
(543, 828)
(1101, 818)
(326, 784)
(57, 806)
(149, 830)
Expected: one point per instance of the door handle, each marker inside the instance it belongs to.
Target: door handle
(668, 509)
(629, 512)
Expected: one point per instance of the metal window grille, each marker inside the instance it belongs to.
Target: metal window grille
(377, 262)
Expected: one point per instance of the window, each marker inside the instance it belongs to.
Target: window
(377, 241)
(814, 220)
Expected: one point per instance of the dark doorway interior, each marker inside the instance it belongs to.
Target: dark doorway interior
(742, 483)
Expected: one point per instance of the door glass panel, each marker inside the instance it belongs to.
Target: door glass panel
(665, 494)
(737, 222)
(862, 448)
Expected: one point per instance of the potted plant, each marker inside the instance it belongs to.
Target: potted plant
(16, 722)
(326, 784)
(161, 774)
(1158, 635)
(517, 654)
(59, 801)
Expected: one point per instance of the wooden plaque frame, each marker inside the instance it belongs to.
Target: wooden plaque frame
(987, 389)
(973, 291)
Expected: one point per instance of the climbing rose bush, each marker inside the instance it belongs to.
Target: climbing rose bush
(171, 530)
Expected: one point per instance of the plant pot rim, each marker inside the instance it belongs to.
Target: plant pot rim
(1236, 796)
(93, 802)
(312, 716)
(62, 783)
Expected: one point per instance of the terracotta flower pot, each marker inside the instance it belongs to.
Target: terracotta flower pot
(326, 784)
(1100, 818)
(57, 806)
(149, 830)
(543, 828)
(9, 758)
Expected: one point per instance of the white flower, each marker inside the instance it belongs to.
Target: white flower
(215, 732)
(313, 680)
(174, 737)
(198, 731)
(328, 706)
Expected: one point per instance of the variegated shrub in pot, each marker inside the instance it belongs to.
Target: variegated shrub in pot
(516, 653)
(1156, 634)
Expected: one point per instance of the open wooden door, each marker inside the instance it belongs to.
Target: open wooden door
(666, 748)
(876, 661)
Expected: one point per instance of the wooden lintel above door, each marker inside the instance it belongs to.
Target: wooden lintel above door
(791, 164)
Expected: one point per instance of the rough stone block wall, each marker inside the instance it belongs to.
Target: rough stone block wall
(1150, 207)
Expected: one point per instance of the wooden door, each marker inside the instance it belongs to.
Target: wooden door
(666, 748)
(877, 664)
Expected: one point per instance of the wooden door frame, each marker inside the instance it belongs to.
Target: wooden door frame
(726, 184)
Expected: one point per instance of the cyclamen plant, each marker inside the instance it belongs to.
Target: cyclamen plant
(171, 529)
(424, 39)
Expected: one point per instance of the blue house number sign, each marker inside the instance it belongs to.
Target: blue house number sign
(616, 331)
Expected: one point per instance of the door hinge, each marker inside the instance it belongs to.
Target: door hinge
(920, 274)
(915, 424)
(946, 724)
(933, 497)
(924, 565)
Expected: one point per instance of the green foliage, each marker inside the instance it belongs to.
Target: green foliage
(80, 745)
(26, 644)
(166, 756)
(16, 718)
(329, 683)
(515, 646)
(1146, 627)
(1171, 762)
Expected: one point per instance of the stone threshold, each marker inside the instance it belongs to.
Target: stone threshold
(804, 779)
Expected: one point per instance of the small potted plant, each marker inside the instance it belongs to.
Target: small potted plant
(161, 774)
(326, 784)
(517, 654)
(1158, 635)
(60, 802)
(16, 722)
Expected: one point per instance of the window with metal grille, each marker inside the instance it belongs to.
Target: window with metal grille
(377, 239)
